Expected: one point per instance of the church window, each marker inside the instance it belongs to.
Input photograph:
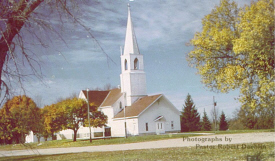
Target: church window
(172, 124)
(120, 105)
(146, 125)
(136, 64)
(126, 65)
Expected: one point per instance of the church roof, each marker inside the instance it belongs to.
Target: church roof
(139, 106)
(103, 98)
(96, 97)
(112, 97)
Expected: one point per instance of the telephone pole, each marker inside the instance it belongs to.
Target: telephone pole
(89, 114)
(125, 126)
(215, 114)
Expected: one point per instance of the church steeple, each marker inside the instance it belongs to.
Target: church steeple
(131, 46)
(132, 77)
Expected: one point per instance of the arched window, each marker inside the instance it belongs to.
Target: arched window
(136, 64)
(126, 65)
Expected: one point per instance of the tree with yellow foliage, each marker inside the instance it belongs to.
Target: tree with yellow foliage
(18, 117)
(235, 50)
(76, 112)
(54, 119)
(69, 113)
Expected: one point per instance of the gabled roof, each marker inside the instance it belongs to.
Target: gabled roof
(96, 97)
(138, 107)
(103, 98)
(112, 97)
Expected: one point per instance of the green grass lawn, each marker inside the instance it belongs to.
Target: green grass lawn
(186, 153)
(243, 131)
(79, 143)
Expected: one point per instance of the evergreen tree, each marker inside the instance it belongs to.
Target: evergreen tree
(190, 119)
(205, 125)
(223, 122)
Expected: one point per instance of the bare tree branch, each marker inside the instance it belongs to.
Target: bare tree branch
(23, 19)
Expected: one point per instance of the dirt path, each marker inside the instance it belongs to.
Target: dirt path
(199, 141)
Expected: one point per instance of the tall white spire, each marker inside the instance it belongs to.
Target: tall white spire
(132, 77)
(131, 46)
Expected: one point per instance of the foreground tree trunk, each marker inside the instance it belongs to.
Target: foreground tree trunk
(52, 136)
(75, 133)
(38, 138)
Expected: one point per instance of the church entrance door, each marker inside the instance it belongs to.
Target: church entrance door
(160, 127)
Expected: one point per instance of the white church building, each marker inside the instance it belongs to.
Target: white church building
(130, 104)
(129, 109)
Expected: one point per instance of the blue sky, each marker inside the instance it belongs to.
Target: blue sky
(162, 28)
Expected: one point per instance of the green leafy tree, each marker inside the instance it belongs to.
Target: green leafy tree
(235, 49)
(19, 116)
(223, 122)
(265, 118)
(205, 125)
(260, 118)
(190, 119)
(235, 122)
(247, 118)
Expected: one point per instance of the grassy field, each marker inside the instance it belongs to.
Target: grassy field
(187, 153)
(79, 143)
(232, 131)
(240, 131)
